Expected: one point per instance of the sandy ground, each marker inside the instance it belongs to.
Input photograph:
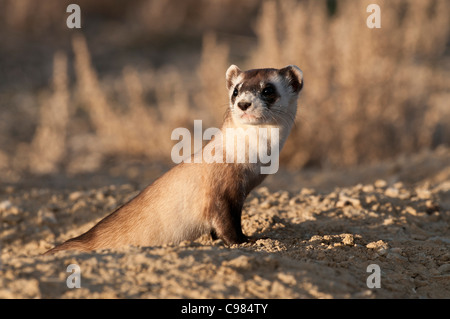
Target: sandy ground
(318, 237)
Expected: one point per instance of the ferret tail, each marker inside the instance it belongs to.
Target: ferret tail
(77, 243)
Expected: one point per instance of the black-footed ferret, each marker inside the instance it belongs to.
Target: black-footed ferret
(197, 197)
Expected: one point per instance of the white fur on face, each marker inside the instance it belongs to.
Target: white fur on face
(259, 112)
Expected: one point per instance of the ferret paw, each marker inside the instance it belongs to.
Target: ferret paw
(253, 239)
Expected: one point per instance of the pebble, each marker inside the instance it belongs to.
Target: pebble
(410, 210)
(99, 195)
(75, 195)
(287, 279)
(382, 252)
(391, 192)
(380, 183)
(423, 193)
(377, 245)
(266, 204)
(444, 269)
(11, 212)
(370, 199)
(348, 240)
(307, 191)
(5, 205)
(243, 262)
(388, 221)
(345, 200)
(368, 188)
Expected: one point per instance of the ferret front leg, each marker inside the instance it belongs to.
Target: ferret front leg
(227, 225)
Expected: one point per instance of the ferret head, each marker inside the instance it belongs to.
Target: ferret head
(264, 96)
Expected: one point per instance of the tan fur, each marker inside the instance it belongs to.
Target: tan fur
(192, 198)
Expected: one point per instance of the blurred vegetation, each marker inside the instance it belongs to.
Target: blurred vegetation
(137, 69)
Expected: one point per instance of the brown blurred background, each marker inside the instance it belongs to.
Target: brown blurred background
(107, 96)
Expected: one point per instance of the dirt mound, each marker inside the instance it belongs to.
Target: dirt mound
(312, 245)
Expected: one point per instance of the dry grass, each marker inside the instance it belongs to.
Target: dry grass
(139, 129)
(369, 94)
(47, 149)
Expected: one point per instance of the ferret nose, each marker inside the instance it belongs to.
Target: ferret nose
(244, 105)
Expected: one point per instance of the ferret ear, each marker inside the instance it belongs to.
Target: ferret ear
(294, 76)
(232, 72)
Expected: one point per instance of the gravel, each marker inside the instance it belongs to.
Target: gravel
(312, 244)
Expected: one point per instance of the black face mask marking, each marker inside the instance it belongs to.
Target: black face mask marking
(269, 94)
(235, 94)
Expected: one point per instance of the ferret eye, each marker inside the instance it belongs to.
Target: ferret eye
(268, 90)
(235, 92)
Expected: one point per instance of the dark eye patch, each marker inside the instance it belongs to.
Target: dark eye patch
(269, 94)
(235, 94)
(268, 90)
